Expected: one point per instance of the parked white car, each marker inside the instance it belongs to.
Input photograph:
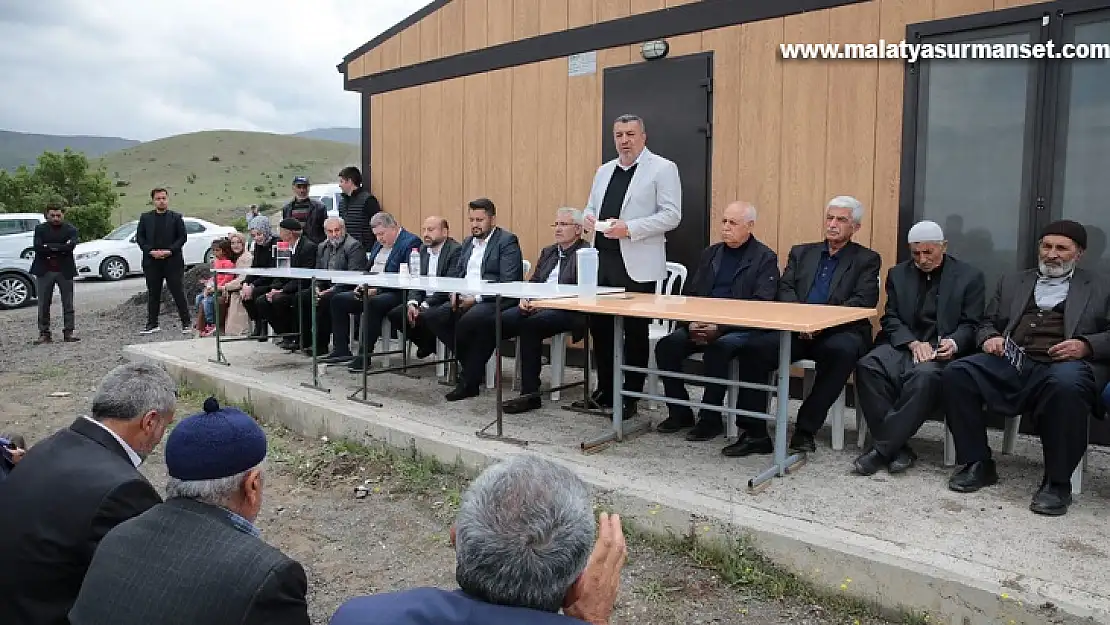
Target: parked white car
(329, 195)
(17, 234)
(17, 286)
(117, 255)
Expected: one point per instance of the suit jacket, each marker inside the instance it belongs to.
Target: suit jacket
(404, 245)
(349, 256)
(960, 300)
(1086, 312)
(854, 283)
(188, 563)
(652, 208)
(59, 245)
(433, 605)
(549, 258)
(502, 262)
(756, 277)
(304, 257)
(58, 503)
(144, 237)
(448, 256)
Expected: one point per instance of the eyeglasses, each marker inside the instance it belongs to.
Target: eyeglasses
(567, 224)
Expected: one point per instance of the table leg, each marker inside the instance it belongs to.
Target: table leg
(365, 356)
(497, 382)
(315, 356)
(219, 359)
(782, 463)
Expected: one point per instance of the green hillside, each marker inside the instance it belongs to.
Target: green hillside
(215, 174)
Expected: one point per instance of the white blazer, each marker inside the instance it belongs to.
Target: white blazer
(652, 207)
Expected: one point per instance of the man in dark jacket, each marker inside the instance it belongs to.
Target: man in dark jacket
(339, 252)
(53, 265)
(255, 287)
(1045, 341)
(438, 254)
(834, 272)
(279, 305)
(934, 304)
(739, 267)
(357, 206)
(198, 557)
(70, 489)
(161, 236)
(311, 213)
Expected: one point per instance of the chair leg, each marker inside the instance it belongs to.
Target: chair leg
(516, 366)
(441, 355)
(949, 446)
(491, 371)
(861, 424)
(838, 423)
(731, 397)
(1077, 476)
(558, 360)
(1009, 434)
(653, 385)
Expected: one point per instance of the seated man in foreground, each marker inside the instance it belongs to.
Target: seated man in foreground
(739, 267)
(278, 305)
(516, 563)
(1046, 351)
(490, 254)
(437, 255)
(934, 304)
(833, 272)
(339, 252)
(197, 558)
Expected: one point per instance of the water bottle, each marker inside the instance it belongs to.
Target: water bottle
(414, 262)
(282, 255)
(587, 274)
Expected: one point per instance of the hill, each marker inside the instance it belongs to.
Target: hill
(21, 148)
(342, 135)
(214, 174)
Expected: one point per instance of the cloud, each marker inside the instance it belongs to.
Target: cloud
(150, 69)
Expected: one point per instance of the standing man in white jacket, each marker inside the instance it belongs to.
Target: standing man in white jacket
(634, 201)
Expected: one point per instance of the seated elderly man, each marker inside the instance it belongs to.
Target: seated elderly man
(197, 558)
(438, 255)
(389, 252)
(523, 538)
(833, 272)
(339, 252)
(739, 267)
(278, 305)
(73, 487)
(934, 304)
(1045, 345)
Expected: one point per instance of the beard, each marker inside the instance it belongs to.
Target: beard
(1055, 271)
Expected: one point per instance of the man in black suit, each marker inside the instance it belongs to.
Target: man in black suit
(934, 304)
(338, 252)
(70, 489)
(1045, 342)
(438, 255)
(161, 236)
(279, 305)
(490, 254)
(739, 267)
(833, 272)
(53, 265)
(198, 558)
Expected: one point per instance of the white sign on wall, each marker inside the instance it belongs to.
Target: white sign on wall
(582, 64)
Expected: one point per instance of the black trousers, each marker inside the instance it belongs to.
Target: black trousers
(46, 296)
(676, 347)
(172, 273)
(530, 331)
(896, 395)
(323, 320)
(449, 325)
(612, 272)
(1059, 396)
(834, 351)
(346, 304)
(418, 333)
(280, 312)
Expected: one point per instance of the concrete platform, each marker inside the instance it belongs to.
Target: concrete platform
(905, 541)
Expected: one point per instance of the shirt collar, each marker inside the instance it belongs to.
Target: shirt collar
(634, 163)
(135, 459)
(242, 524)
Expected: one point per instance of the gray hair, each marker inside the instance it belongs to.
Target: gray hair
(847, 201)
(129, 391)
(524, 533)
(383, 219)
(575, 214)
(628, 118)
(750, 211)
(335, 220)
(217, 492)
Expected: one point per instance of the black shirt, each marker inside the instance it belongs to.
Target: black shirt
(925, 320)
(612, 202)
(726, 271)
(163, 232)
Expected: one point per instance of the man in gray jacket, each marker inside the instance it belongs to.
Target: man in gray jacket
(339, 252)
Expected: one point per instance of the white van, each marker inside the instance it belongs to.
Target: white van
(17, 234)
(329, 195)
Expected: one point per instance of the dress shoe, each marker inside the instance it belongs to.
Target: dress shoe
(356, 365)
(802, 441)
(974, 476)
(1052, 500)
(424, 352)
(334, 358)
(522, 404)
(67, 336)
(43, 339)
(598, 400)
(870, 462)
(674, 423)
(902, 461)
(747, 445)
(462, 392)
(707, 429)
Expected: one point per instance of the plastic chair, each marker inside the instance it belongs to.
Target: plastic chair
(676, 274)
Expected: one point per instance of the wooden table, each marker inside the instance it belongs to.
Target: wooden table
(782, 317)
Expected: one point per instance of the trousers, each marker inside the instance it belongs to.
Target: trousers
(46, 283)
(896, 395)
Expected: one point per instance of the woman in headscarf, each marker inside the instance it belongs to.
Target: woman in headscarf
(238, 321)
(257, 286)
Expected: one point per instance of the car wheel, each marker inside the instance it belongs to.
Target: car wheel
(208, 256)
(15, 291)
(113, 268)
(27, 254)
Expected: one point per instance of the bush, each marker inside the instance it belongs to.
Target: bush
(259, 189)
(216, 159)
(66, 178)
(240, 224)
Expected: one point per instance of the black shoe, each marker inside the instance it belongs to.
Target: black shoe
(1052, 500)
(802, 441)
(334, 358)
(462, 392)
(870, 463)
(522, 404)
(67, 336)
(974, 476)
(43, 339)
(355, 366)
(903, 460)
(424, 352)
(598, 401)
(707, 429)
(675, 423)
(747, 445)
(290, 346)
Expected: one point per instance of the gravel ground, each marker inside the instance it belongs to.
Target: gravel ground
(395, 536)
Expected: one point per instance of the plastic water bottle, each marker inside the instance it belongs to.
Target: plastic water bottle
(587, 274)
(282, 256)
(414, 262)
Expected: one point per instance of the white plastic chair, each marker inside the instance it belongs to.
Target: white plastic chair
(676, 273)
(836, 411)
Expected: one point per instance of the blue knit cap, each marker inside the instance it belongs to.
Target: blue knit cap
(214, 444)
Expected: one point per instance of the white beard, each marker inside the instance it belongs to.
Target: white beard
(1055, 271)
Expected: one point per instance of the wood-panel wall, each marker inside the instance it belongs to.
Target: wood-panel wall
(787, 135)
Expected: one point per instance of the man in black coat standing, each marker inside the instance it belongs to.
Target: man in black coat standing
(161, 236)
(70, 489)
(310, 212)
(53, 265)
(357, 206)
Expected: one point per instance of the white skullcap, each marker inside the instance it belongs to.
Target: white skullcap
(925, 232)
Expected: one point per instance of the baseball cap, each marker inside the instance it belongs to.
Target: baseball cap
(300, 180)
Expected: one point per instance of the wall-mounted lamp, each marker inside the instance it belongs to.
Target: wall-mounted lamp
(652, 50)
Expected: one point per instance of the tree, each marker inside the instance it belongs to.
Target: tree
(66, 177)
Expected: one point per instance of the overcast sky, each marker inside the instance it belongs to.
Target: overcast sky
(153, 68)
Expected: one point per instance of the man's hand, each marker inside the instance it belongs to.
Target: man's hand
(588, 222)
(466, 302)
(246, 291)
(922, 352)
(525, 307)
(697, 332)
(808, 336)
(594, 594)
(1071, 349)
(617, 230)
(16, 454)
(271, 294)
(946, 350)
(995, 345)
(326, 292)
(412, 312)
(710, 332)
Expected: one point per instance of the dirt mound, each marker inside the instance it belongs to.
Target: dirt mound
(193, 281)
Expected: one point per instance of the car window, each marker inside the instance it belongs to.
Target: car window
(29, 225)
(11, 226)
(328, 202)
(192, 227)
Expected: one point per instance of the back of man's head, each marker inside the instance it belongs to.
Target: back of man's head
(524, 533)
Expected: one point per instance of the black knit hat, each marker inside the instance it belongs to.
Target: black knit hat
(1067, 228)
(217, 443)
(290, 224)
